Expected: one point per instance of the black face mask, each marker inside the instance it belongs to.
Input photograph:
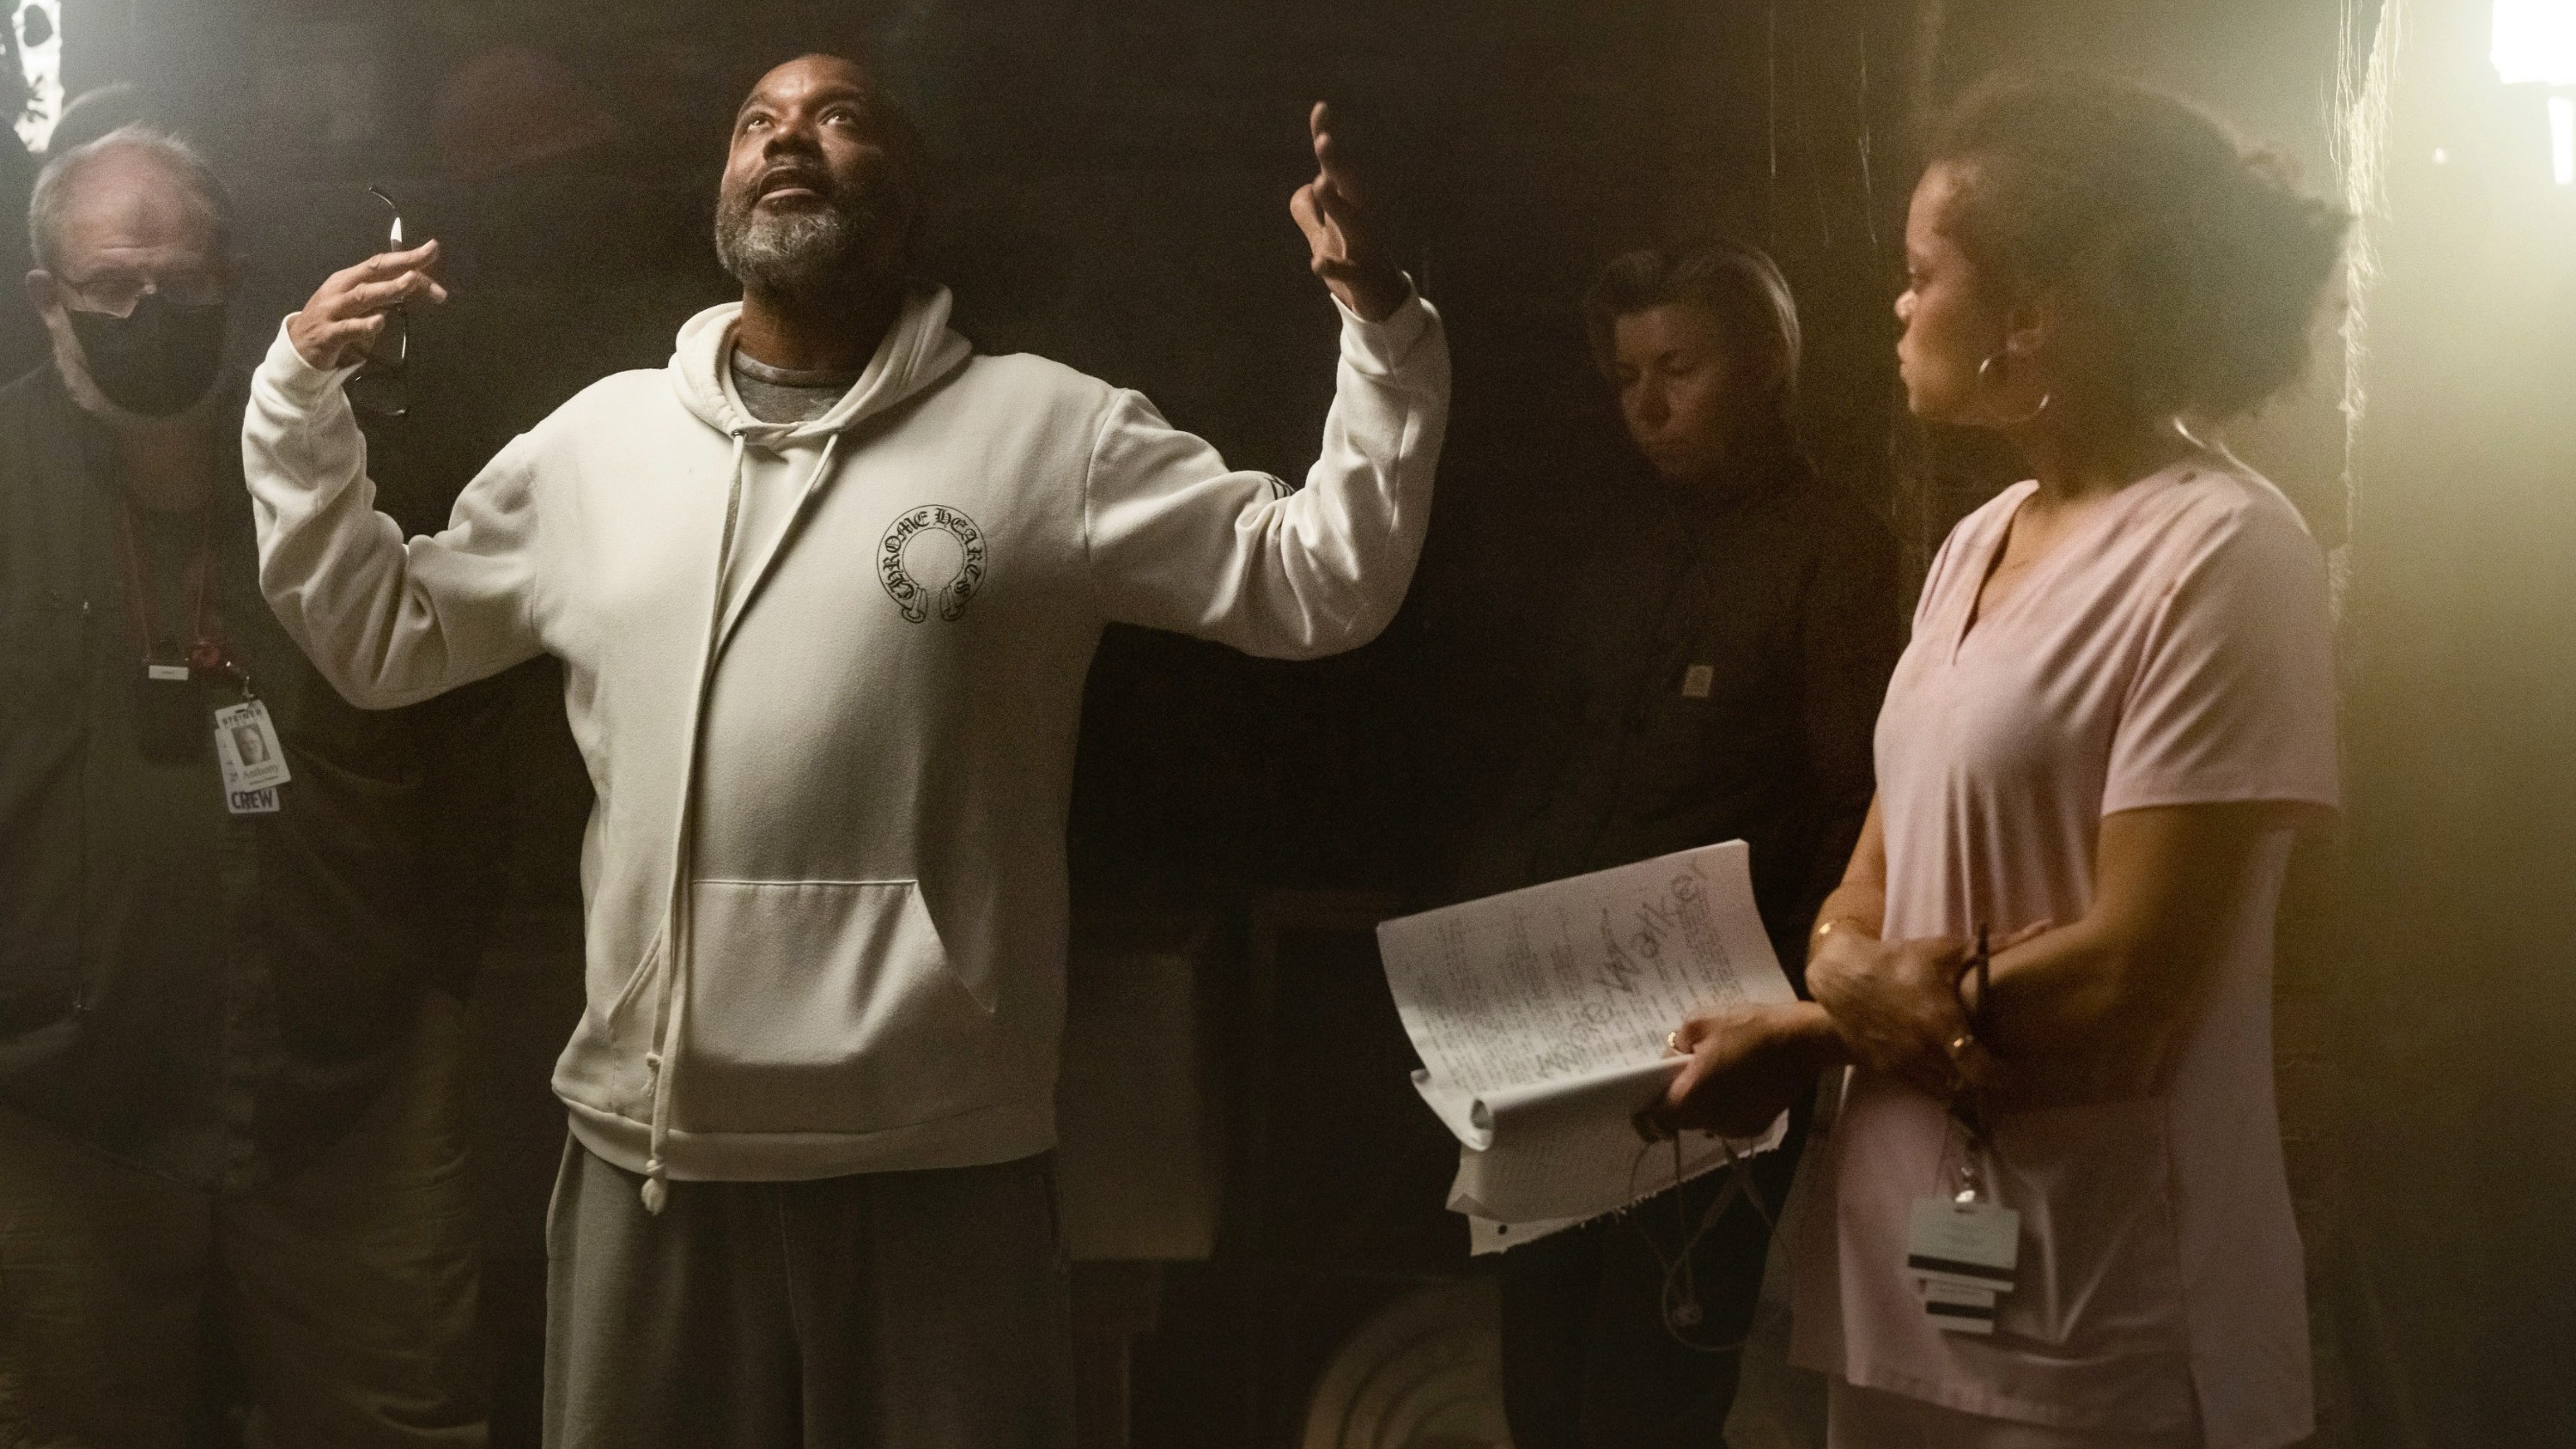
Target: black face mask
(155, 360)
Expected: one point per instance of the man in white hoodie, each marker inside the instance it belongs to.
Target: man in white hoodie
(825, 591)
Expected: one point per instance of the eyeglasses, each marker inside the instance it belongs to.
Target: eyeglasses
(377, 388)
(115, 291)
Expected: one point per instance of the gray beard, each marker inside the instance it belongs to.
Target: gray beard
(802, 254)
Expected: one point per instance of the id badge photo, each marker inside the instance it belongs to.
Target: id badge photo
(253, 760)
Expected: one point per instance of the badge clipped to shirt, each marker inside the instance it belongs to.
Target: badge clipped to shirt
(253, 761)
(173, 690)
(1963, 1254)
(1698, 680)
(1964, 1250)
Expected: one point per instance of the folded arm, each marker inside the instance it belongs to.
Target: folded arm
(2098, 1010)
(2094, 1010)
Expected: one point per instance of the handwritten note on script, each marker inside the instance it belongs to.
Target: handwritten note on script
(1540, 1017)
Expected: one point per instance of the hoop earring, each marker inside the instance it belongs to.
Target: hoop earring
(1991, 369)
(2213, 445)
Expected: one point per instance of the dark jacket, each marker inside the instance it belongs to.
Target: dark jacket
(210, 996)
(1717, 676)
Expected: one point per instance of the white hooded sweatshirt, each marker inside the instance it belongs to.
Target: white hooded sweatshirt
(827, 678)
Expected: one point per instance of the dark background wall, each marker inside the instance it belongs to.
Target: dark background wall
(1115, 188)
(1116, 179)
(1114, 195)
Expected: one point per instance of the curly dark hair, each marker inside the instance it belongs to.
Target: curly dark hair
(2197, 253)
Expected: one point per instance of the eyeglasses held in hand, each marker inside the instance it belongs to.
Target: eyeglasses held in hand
(376, 388)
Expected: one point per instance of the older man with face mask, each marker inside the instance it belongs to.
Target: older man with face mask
(825, 590)
(224, 1090)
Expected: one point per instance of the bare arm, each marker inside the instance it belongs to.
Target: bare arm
(1860, 902)
(2097, 1010)
(2091, 1010)
(1893, 1005)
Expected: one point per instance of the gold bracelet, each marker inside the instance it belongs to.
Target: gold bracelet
(1826, 927)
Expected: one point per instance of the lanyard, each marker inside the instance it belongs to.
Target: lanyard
(1963, 1107)
(204, 651)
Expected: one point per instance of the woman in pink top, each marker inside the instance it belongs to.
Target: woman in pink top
(2118, 703)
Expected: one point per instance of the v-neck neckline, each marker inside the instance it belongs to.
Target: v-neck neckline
(2044, 570)
(1971, 617)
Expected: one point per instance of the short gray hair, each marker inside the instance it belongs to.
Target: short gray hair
(60, 180)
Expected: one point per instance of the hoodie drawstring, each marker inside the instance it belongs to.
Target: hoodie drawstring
(676, 954)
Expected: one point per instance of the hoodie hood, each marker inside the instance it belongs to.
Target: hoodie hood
(917, 351)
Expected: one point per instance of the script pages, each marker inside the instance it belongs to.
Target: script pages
(1541, 1016)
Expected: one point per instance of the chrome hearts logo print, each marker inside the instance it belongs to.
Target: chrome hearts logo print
(931, 555)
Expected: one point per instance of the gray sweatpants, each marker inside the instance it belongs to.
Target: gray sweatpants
(896, 1310)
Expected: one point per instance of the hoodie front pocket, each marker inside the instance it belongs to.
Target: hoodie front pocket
(828, 1006)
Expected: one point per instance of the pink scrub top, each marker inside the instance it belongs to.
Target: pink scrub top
(2175, 649)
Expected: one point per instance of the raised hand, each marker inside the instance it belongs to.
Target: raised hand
(1347, 252)
(347, 313)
